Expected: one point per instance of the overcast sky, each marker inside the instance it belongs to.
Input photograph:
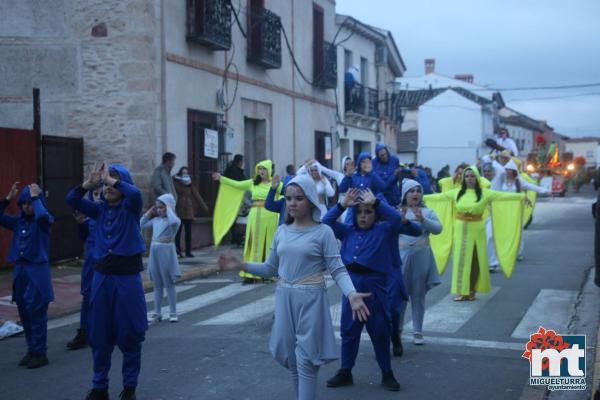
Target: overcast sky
(504, 44)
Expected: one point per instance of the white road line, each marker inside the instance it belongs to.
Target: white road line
(450, 341)
(248, 312)
(7, 301)
(222, 280)
(551, 309)
(178, 289)
(448, 316)
(206, 299)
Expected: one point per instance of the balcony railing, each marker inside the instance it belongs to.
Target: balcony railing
(361, 100)
(209, 23)
(265, 39)
(326, 78)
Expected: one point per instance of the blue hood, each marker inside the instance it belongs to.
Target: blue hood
(378, 147)
(361, 157)
(124, 174)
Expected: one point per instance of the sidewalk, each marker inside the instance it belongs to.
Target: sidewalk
(66, 281)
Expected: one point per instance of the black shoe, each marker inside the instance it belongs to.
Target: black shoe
(189, 254)
(37, 360)
(389, 382)
(127, 394)
(397, 348)
(97, 394)
(342, 378)
(179, 254)
(79, 341)
(26, 358)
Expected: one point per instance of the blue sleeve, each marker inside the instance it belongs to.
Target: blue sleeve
(410, 229)
(378, 184)
(42, 216)
(389, 213)
(391, 181)
(330, 219)
(84, 230)
(273, 205)
(75, 199)
(346, 184)
(133, 196)
(6, 221)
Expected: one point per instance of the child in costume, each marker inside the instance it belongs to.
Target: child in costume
(163, 266)
(32, 283)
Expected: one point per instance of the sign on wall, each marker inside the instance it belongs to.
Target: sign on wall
(328, 147)
(211, 143)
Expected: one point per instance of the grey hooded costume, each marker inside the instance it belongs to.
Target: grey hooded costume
(418, 264)
(302, 338)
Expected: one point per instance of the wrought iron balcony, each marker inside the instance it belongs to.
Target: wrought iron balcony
(209, 23)
(264, 35)
(361, 100)
(327, 76)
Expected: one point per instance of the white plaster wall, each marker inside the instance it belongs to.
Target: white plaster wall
(449, 131)
(582, 149)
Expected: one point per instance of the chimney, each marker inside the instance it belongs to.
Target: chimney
(464, 77)
(429, 66)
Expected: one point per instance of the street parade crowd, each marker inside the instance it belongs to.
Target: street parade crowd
(385, 242)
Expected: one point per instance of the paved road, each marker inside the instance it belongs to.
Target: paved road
(219, 348)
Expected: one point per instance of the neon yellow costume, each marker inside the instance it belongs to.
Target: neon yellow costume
(466, 218)
(262, 223)
(531, 196)
(448, 184)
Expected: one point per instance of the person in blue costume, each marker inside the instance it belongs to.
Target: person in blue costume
(362, 178)
(418, 174)
(387, 167)
(32, 283)
(276, 206)
(366, 251)
(117, 304)
(87, 231)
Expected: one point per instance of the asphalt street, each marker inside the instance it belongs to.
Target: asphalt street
(219, 347)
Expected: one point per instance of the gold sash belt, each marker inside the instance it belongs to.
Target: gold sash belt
(468, 216)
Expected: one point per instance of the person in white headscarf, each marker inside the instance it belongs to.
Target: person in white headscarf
(418, 264)
(324, 188)
(303, 249)
(163, 266)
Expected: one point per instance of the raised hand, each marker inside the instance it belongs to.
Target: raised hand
(418, 214)
(228, 262)
(359, 308)
(152, 212)
(367, 197)
(93, 179)
(34, 190)
(14, 189)
(106, 178)
(275, 182)
(216, 176)
(351, 198)
(79, 217)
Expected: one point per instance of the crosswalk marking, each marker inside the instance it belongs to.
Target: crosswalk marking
(451, 341)
(550, 309)
(248, 312)
(448, 316)
(183, 307)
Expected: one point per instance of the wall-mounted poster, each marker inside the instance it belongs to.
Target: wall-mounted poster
(211, 143)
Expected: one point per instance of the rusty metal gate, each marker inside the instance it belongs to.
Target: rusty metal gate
(63, 169)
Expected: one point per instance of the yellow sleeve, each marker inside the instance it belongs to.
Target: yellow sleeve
(504, 196)
(240, 185)
(485, 183)
(441, 245)
(229, 200)
(507, 223)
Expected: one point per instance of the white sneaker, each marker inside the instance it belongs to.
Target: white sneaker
(520, 258)
(418, 339)
(154, 317)
(493, 268)
(173, 318)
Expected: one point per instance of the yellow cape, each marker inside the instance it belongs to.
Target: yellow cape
(532, 196)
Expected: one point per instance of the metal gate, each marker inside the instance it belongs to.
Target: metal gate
(18, 155)
(63, 169)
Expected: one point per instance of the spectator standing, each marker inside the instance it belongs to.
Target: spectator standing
(188, 202)
(161, 181)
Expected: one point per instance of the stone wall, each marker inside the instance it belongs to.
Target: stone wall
(98, 65)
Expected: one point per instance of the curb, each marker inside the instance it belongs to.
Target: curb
(596, 378)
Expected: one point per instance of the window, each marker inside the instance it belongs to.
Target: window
(318, 42)
(589, 155)
(209, 23)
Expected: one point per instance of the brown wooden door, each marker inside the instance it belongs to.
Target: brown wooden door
(201, 167)
(63, 169)
(17, 152)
